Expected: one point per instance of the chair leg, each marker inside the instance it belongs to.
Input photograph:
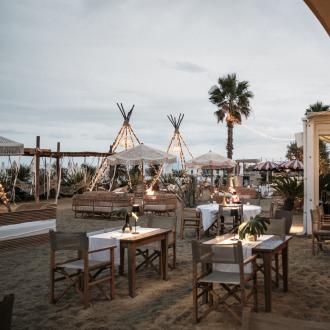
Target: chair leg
(313, 245)
(52, 287)
(112, 283)
(86, 290)
(255, 292)
(276, 271)
(182, 229)
(195, 303)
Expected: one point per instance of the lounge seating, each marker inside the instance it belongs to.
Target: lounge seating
(233, 283)
(247, 193)
(160, 203)
(101, 202)
(81, 269)
(27, 226)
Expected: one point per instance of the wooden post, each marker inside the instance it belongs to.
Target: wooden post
(37, 181)
(58, 163)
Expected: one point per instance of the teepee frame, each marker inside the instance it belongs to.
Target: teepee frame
(177, 139)
(126, 136)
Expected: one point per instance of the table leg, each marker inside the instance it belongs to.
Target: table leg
(164, 258)
(131, 269)
(122, 260)
(285, 268)
(267, 259)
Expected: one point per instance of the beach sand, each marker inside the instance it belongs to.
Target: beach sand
(158, 304)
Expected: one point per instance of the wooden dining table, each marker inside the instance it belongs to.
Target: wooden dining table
(132, 243)
(266, 250)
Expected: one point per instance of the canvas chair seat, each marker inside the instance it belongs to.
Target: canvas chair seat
(224, 277)
(79, 264)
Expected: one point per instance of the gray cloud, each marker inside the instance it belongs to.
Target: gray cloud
(183, 66)
(62, 81)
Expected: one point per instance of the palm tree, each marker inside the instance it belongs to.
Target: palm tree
(317, 107)
(232, 98)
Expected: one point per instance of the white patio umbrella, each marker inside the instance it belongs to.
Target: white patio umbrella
(211, 160)
(10, 148)
(140, 155)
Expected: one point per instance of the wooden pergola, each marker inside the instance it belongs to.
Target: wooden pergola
(37, 152)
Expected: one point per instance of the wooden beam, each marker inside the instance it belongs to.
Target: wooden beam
(37, 179)
(55, 154)
(58, 159)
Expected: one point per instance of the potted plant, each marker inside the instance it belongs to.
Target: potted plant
(290, 189)
(253, 228)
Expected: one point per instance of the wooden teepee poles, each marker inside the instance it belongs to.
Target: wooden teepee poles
(126, 136)
(177, 139)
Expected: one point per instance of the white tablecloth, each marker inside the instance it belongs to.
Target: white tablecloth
(103, 240)
(247, 247)
(210, 212)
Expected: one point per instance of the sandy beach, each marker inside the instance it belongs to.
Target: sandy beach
(159, 304)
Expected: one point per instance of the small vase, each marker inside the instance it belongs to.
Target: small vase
(251, 238)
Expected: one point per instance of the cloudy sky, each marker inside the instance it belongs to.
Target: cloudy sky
(65, 64)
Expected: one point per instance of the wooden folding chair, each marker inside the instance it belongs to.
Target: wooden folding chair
(324, 218)
(275, 227)
(288, 215)
(152, 252)
(229, 218)
(233, 283)
(6, 310)
(320, 236)
(191, 218)
(81, 273)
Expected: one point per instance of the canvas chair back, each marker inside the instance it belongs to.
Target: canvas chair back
(277, 227)
(228, 253)
(321, 211)
(68, 241)
(279, 214)
(288, 215)
(164, 223)
(315, 215)
(188, 212)
(200, 252)
(205, 194)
